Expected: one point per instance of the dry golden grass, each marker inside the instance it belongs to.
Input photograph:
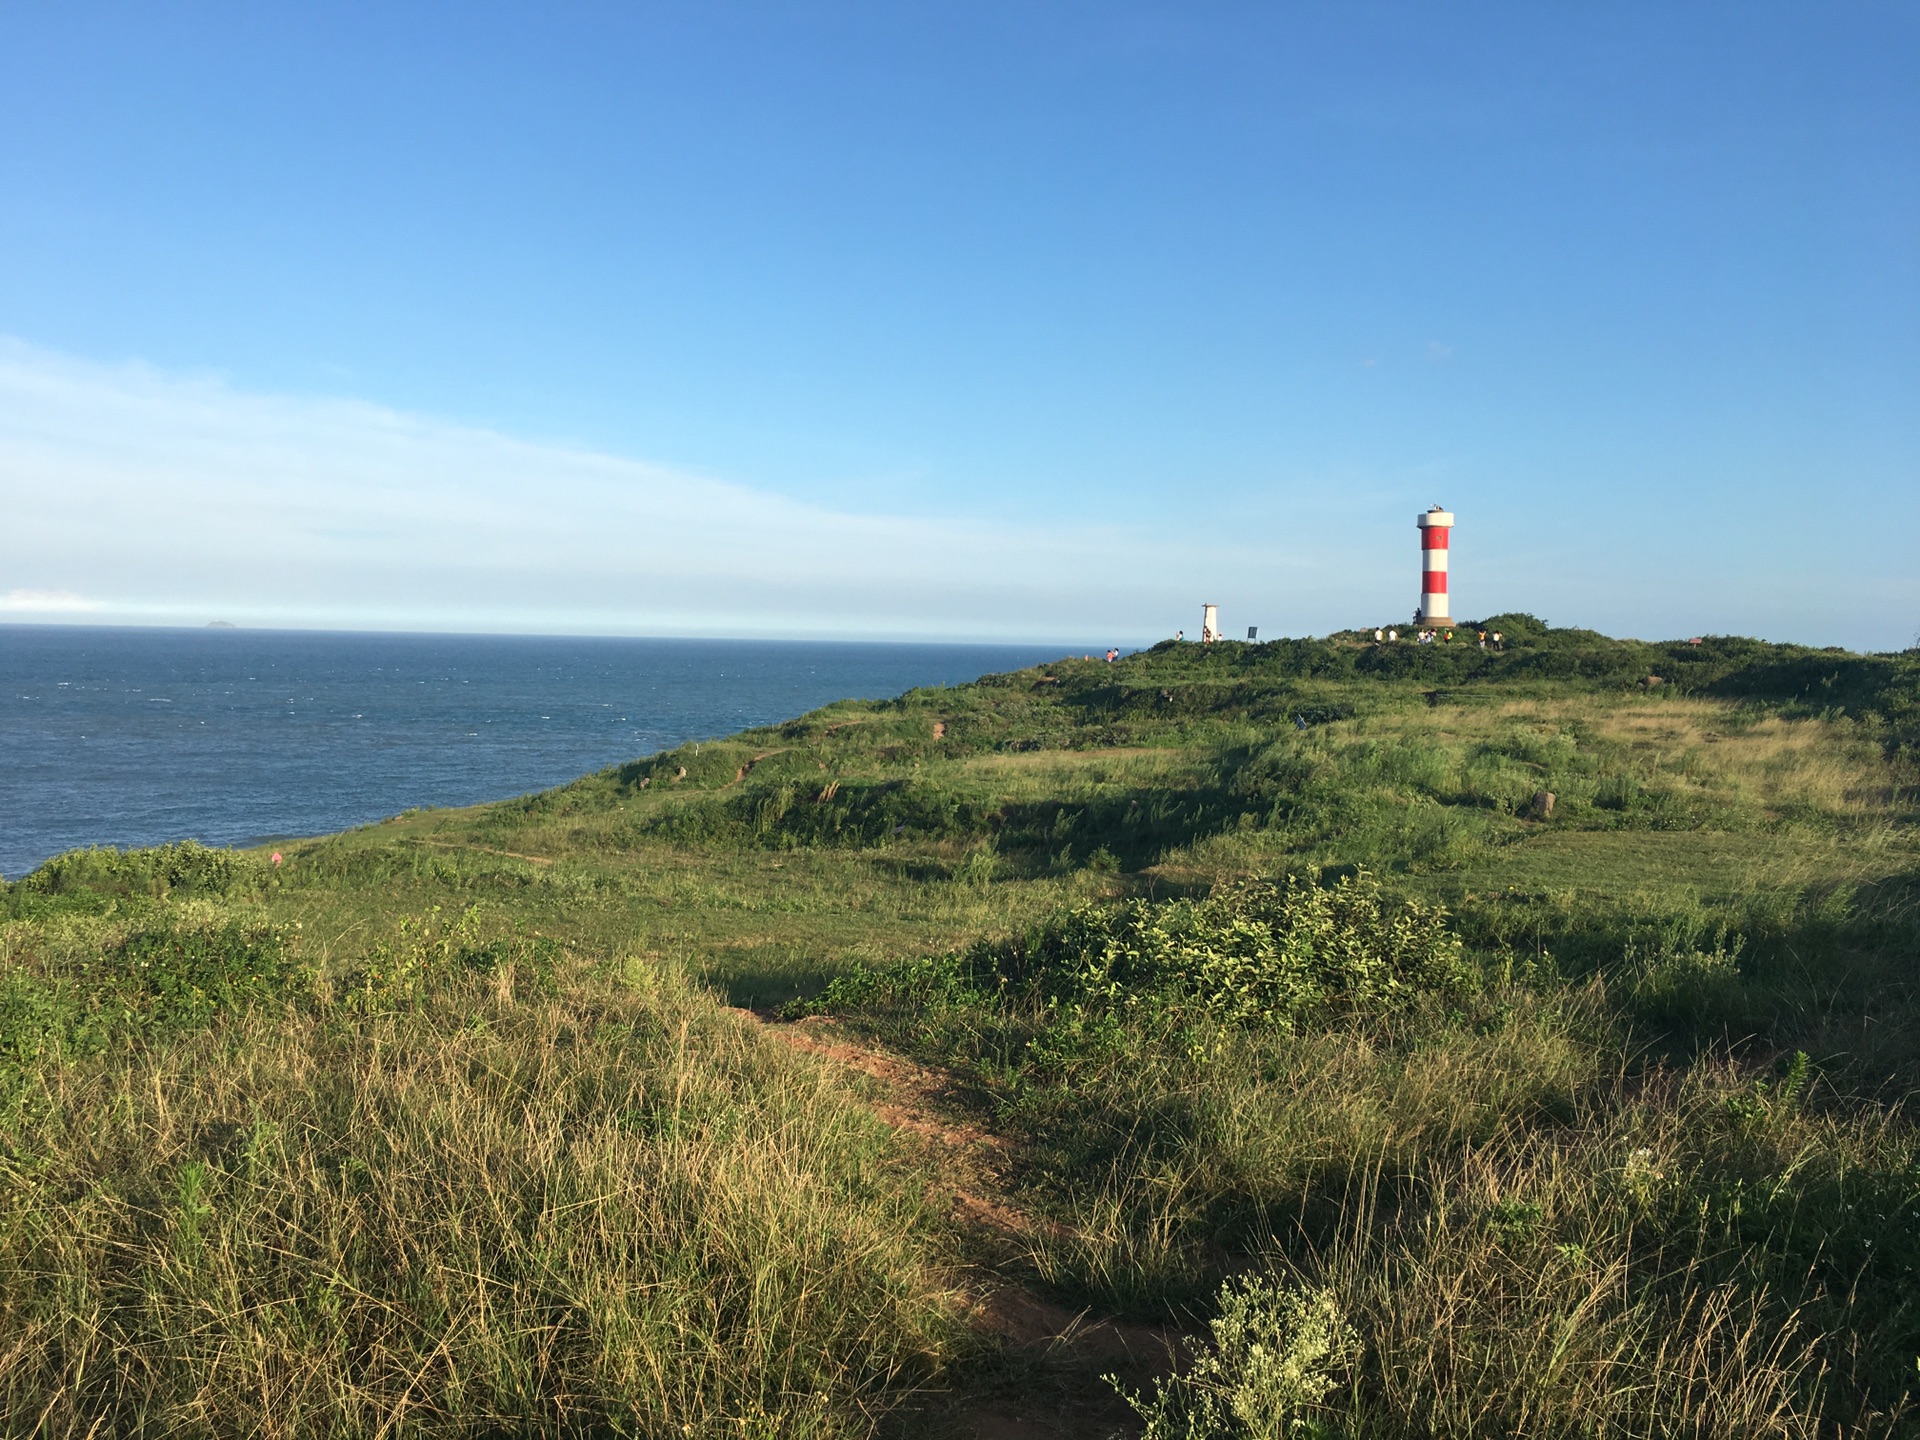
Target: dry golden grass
(1118, 759)
(1799, 765)
(620, 1209)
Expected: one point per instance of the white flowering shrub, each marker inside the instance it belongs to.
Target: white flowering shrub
(1276, 1353)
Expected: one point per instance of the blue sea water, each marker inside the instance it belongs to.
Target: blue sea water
(138, 736)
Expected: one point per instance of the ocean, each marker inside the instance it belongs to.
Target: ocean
(137, 736)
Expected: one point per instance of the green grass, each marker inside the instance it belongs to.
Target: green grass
(1594, 1124)
(475, 1187)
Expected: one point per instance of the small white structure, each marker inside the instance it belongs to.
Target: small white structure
(1435, 527)
(1209, 624)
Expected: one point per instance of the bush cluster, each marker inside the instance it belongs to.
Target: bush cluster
(1273, 954)
(91, 880)
(430, 950)
(165, 977)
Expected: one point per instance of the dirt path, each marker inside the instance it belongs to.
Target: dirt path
(1053, 1389)
(483, 849)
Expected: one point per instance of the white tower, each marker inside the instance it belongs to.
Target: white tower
(1209, 624)
(1435, 526)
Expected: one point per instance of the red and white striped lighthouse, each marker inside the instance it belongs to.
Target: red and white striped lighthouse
(1435, 526)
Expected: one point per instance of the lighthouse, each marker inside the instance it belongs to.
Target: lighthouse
(1435, 526)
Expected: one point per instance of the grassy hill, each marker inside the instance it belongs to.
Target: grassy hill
(1291, 1021)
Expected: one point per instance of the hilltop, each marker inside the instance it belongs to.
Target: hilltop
(810, 1080)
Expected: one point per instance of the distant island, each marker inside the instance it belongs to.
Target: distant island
(221, 625)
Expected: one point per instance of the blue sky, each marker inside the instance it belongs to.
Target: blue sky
(971, 320)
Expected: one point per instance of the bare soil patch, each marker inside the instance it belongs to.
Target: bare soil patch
(1056, 1357)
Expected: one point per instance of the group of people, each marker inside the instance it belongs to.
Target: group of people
(1443, 637)
(1389, 637)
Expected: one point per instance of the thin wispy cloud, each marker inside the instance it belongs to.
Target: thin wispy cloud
(177, 497)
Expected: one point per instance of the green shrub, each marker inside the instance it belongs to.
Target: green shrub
(179, 977)
(1686, 987)
(851, 814)
(1271, 1361)
(38, 1022)
(1261, 954)
(429, 950)
(164, 978)
(187, 867)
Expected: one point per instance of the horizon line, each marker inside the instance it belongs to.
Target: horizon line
(867, 638)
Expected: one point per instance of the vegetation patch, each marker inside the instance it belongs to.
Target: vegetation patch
(1252, 954)
(1451, 1040)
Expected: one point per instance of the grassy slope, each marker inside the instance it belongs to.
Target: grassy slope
(421, 1165)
